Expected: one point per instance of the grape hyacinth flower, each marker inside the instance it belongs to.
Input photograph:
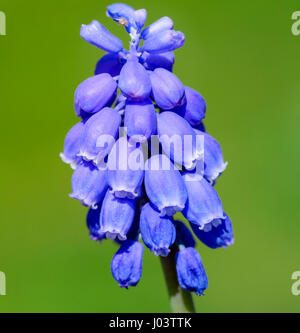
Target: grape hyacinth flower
(141, 154)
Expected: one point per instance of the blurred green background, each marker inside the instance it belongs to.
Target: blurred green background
(244, 59)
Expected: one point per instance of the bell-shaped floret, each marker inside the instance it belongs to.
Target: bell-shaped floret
(94, 93)
(190, 271)
(167, 90)
(99, 135)
(164, 185)
(158, 232)
(95, 34)
(89, 184)
(125, 169)
(126, 265)
(116, 216)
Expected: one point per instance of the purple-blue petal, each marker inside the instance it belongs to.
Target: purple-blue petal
(164, 185)
(134, 81)
(96, 34)
(214, 164)
(93, 224)
(124, 15)
(183, 235)
(99, 135)
(167, 90)
(158, 232)
(110, 63)
(125, 169)
(161, 60)
(164, 23)
(140, 120)
(165, 41)
(140, 16)
(203, 204)
(178, 139)
(194, 108)
(126, 265)
(94, 93)
(220, 233)
(72, 145)
(89, 184)
(191, 274)
(116, 216)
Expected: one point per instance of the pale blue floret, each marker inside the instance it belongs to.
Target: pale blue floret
(72, 145)
(125, 169)
(89, 184)
(97, 35)
(116, 216)
(158, 232)
(164, 185)
(178, 139)
(167, 90)
(99, 134)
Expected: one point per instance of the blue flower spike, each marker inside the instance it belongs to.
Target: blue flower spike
(141, 154)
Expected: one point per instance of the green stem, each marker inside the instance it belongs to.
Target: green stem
(181, 300)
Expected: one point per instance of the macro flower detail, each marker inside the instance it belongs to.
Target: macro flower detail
(167, 90)
(98, 135)
(134, 81)
(140, 120)
(72, 145)
(203, 204)
(116, 216)
(126, 265)
(141, 154)
(89, 184)
(93, 224)
(110, 63)
(125, 172)
(219, 235)
(97, 35)
(194, 107)
(164, 185)
(185, 149)
(158, 232)
(94, 93)
(190, 271)
(214, 164)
